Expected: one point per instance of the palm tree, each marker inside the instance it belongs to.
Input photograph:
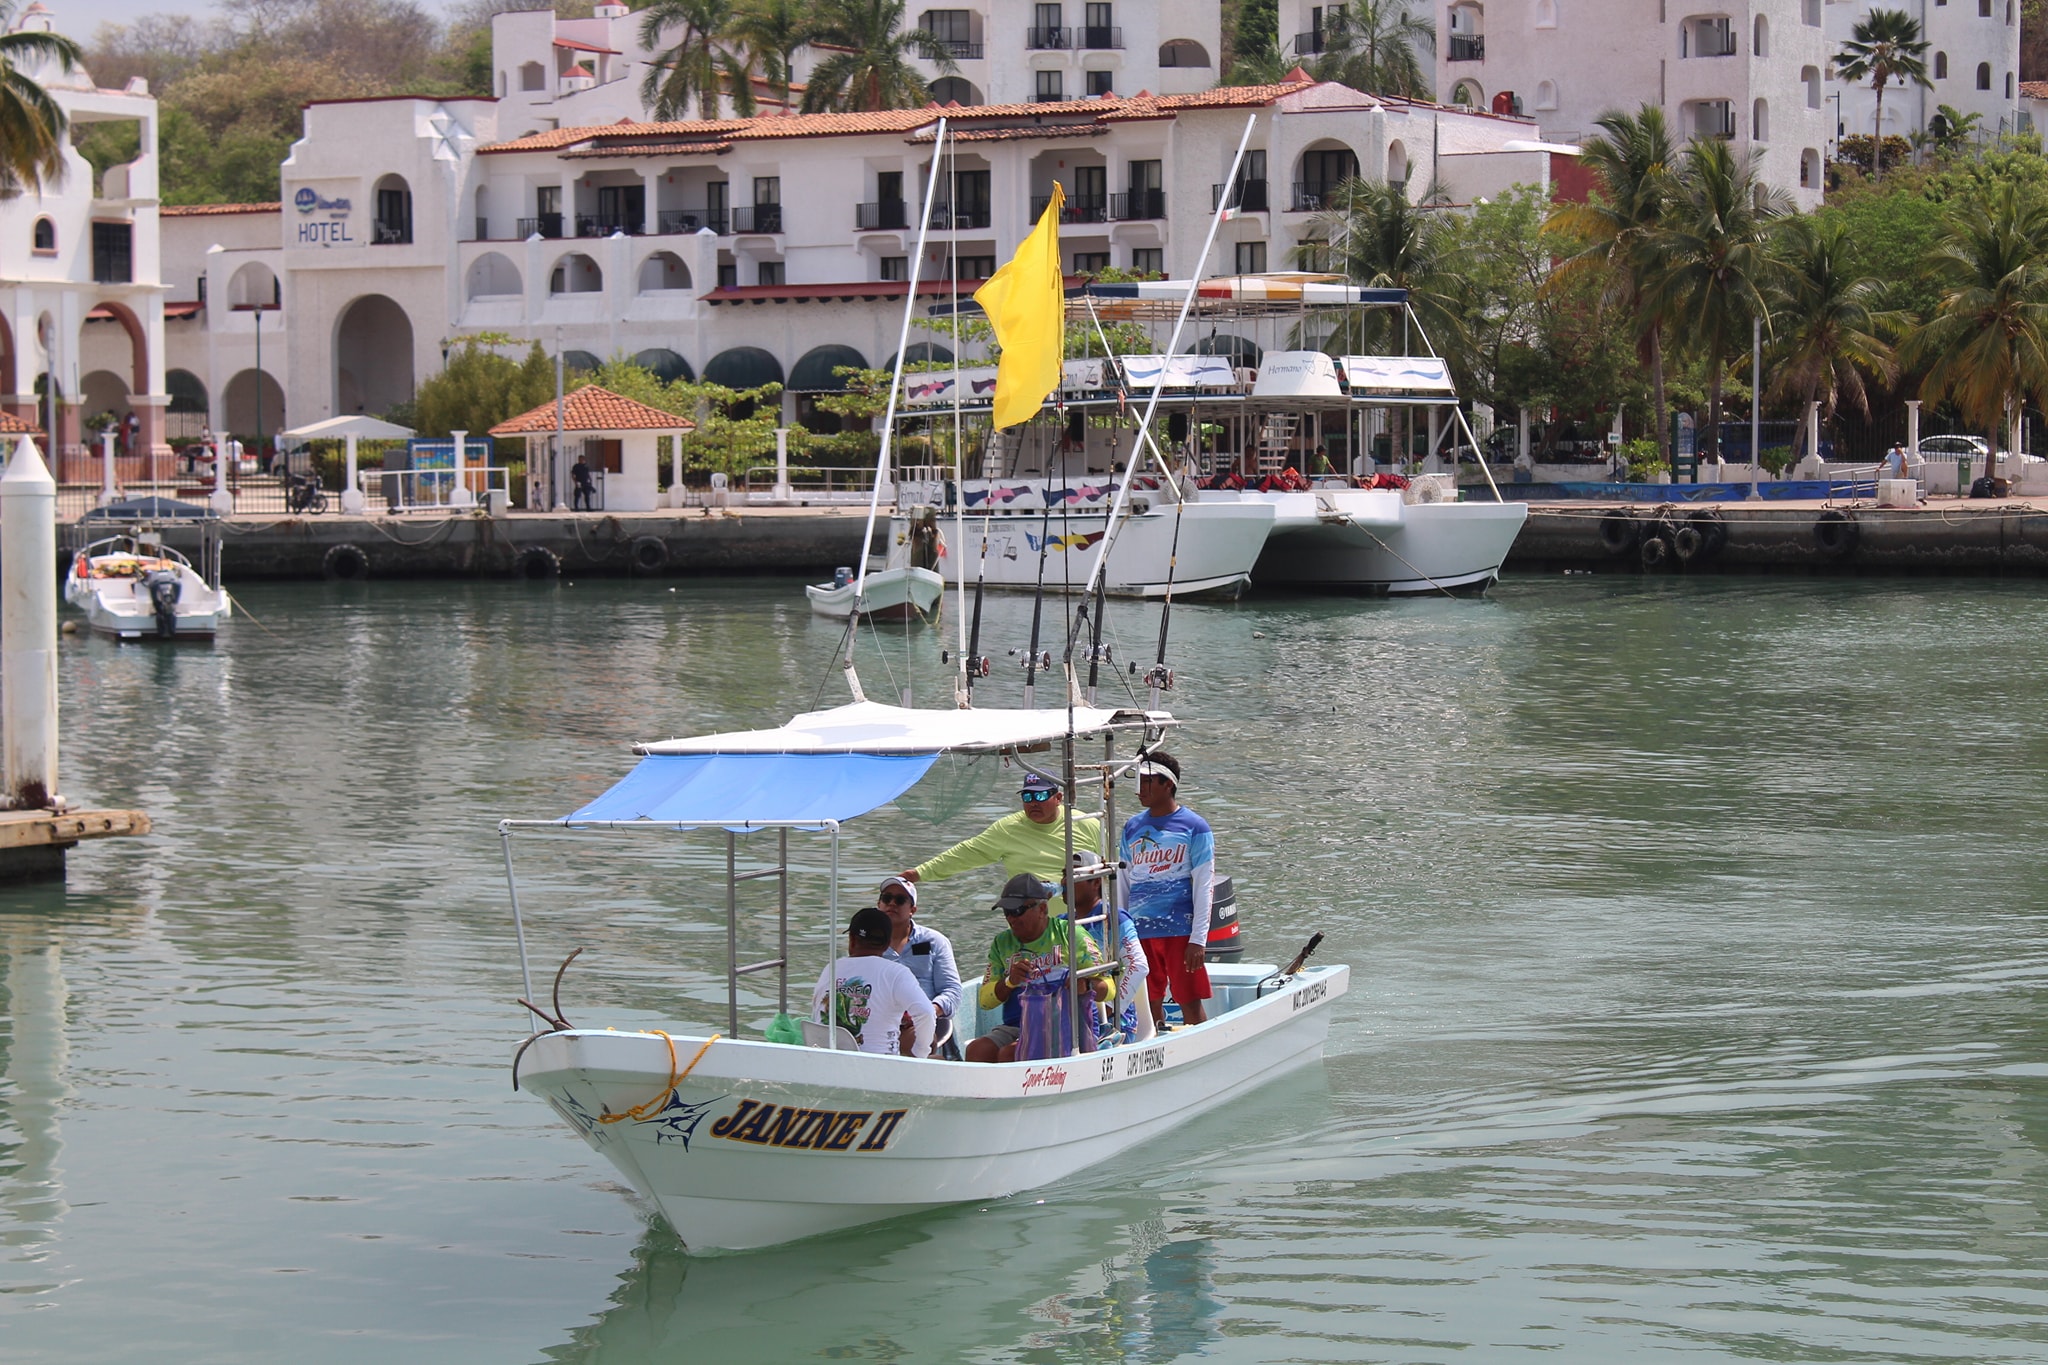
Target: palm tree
(1832, 319)
(1712, 262)
(1986, 347)
(1885, 46)
(1634, 161)
(770, 32)
(1950, 130)
(700, 66)
(1266, 65)
(31, 125)
(1375, 45)
(871, 68)
(1378, 238)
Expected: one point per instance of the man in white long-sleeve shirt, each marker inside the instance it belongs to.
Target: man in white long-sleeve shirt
(868, 995)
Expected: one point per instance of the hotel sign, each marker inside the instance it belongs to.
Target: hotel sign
(322, 221)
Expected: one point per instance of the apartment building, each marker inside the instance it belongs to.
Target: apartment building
(1973, 62)
(1751, 71)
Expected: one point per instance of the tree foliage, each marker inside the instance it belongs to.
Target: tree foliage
(32, 127)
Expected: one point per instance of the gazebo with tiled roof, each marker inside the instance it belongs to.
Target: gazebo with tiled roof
(615, 435)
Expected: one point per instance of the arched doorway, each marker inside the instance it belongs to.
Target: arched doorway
(102, 391)
(372, 357)
(188, 411)
(240, 404)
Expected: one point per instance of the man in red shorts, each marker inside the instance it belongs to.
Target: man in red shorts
(1170, 857)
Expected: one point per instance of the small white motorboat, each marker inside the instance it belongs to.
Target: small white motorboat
(134, 587)
(904, 594)
(742, 1142)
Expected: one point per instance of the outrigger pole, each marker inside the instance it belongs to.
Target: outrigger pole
(924, 224)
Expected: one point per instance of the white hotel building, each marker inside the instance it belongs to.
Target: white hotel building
(773, 248)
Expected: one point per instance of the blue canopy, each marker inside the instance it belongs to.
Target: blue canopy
(743, 789)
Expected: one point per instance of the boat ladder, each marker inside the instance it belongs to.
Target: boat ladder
(1276, 440)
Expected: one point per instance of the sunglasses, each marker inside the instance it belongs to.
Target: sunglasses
(1033, 798)
(893, 898)
(1020, 910)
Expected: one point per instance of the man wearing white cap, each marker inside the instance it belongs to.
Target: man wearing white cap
(1170, 860)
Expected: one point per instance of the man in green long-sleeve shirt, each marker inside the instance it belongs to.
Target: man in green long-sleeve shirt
(1032, 840)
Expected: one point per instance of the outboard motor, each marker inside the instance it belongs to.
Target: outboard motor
(164, 591)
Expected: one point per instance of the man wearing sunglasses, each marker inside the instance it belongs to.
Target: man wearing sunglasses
(927, 953)
(1028, 963)
(1032, 840)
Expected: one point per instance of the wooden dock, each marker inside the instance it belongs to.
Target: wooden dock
(33, 842)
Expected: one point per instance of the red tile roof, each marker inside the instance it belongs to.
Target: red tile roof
(206, 210)
(2034, 90)
(592, 408)
(10, 425)
(575, 46)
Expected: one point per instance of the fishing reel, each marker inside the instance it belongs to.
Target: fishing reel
(1098, 654)
(973, 665)
(1042, 662)
(1159, 676)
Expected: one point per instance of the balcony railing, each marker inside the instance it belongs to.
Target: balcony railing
(1306, 44)
(1467, 48)
(1049, 39)
(961, 50)
(602, 225)
(946, 219)
(545, 225)
(1098, 39)
(1136, 205)
(1251, 196)
(1075, 210)
(883, 215)
(1314, 196)
(757, 218)
(384, 233)
(675, 222)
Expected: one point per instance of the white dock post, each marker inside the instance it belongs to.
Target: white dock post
(109, 495)
(781, 493)
(28, 631)
(223, 501)
(460, 496)
(352, 500)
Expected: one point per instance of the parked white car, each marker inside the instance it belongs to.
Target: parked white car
(1953, 447)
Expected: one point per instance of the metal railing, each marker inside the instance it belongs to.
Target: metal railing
(946, 218)
(1089, 210)
(1048, 39)
(1251, 196)
(541, 225)
(1307, 44)
(1313, 196)
(757, 218)
(883, 214)
(1466, 48)
(383, 233)
(675, 222)
(601, 225)
(960, 50)
(412, 490)
(811, 483)
(1136, 205)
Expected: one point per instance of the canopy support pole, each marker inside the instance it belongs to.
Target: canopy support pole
(732, 937)
(518, 925)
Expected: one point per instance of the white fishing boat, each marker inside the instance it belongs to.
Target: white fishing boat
(905, 594)
(133, 586)
(745, 1143)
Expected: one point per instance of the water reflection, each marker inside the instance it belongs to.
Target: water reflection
(34, 1056)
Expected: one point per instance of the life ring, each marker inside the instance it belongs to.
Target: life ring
(1686, 542)
(1835, 533)
(1654, 548)
(345, 562)
(536, 562)
(1619, 532)
(650, 554)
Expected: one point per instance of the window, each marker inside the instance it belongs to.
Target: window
(393, 226)
(1809, 169)
(1251, 258)
(1048, 86)
(1941, 66)
(953, 27)
(1760, 42)
(1809, 76)
(113, 253)
(1810, 12)
(1983, 75)
(1713, 37)
(1048, 29)
(896, 267)
(1546, 96)
(1090, 262)
(1760, 122)
(533, 76)
(1099, 82)
(974, 267)
(45, 238)
(2008, 85)
(768, 272)
(1098, 30)
(728, 276)
(1183, 52)
(1983, 9)
(1546, 13)
(1148, 260)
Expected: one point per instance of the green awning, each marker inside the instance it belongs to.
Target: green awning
(813, 373)
(743, 367)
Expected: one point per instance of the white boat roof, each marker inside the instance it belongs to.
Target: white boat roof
(869, 727)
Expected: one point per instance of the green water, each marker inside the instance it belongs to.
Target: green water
(1696, 930)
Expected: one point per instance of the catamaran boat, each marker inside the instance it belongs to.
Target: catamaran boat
(133, 586)
(742, 1142)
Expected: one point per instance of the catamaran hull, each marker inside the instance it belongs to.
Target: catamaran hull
(764, 1143)
(1205, 548)
(904, 594)
(1371, 541)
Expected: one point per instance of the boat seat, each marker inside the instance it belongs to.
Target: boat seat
(818, 1035)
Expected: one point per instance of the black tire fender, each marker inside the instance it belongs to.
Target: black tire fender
(1835, 533)
(1653, 551)
(345, 563)
(537, 562)
(649, 554)
(1686, 542)
(1713, 529)
(1619, 532)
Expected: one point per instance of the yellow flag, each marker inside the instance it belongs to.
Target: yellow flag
(1027, 307)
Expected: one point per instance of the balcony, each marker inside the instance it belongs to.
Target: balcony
(386, 232)
(1049, 39)
(1714, 119)
(1467, 48)
(1251, 196)
(675, 222)
(1098, 39)
(1308, 44)
(545, 225)
(113, 256)
(946, 219)
(1137, 206)
(1314, 196)
(757, 218)
(604, 225)
(1076, 210)
(884, 215)
(958, 49)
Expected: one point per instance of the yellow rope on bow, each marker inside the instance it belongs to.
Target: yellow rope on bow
(675, 1078)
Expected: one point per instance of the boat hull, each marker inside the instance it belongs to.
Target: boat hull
(764, 1143)
(121, 607)
(902, 594)
(1207, 548)
(1372, 541)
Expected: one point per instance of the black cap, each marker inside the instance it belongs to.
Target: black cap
(870, 925)
(1022, 889)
